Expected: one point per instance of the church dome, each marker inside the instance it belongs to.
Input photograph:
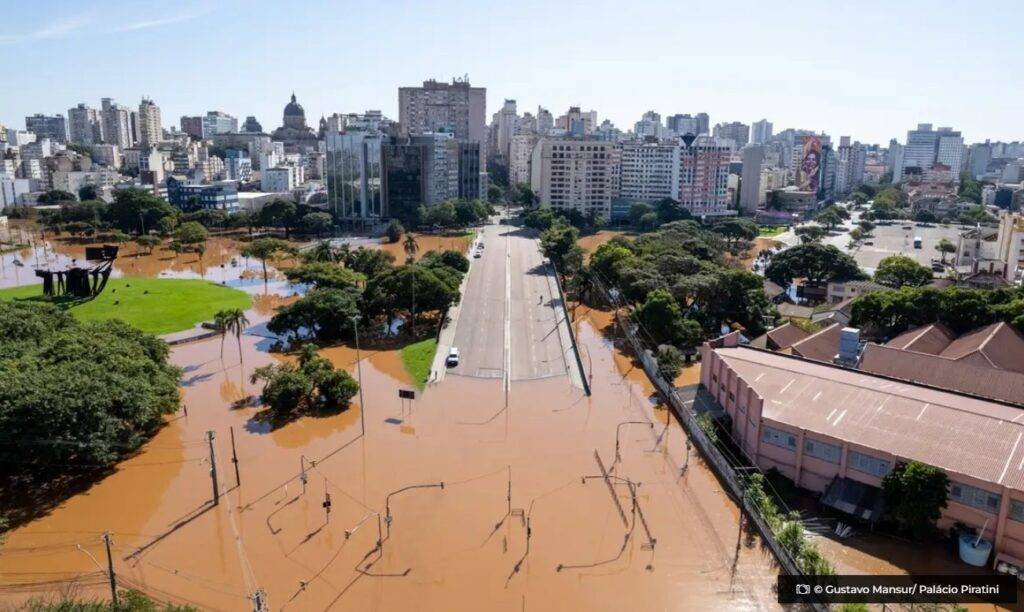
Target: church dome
(294, 109)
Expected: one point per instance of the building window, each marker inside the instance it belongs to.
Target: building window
(1017, 510)
(974, 497)
(778, 438)
(823, 451)
(868, 464)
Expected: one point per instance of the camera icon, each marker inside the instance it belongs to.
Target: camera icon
(803, 589)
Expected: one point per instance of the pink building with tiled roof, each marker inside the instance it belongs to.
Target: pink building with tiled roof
(816, 423)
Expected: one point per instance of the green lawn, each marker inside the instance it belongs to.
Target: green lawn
(418, 357)
(154, 305)
(768, 231)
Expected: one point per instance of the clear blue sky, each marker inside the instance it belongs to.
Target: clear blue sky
(870, 69)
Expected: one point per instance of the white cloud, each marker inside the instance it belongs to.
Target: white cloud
(63, 28)
(155, 23)
(50, 31)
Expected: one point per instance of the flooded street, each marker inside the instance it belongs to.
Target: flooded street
(538, 510)
(459, 543)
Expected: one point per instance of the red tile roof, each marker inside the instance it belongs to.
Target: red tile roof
(931, 339)
(820, 346)
(784, 336)
(998, 345)
(937, 371)
(963, 435)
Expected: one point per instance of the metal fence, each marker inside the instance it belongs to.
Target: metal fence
(572, 333)
(707, 449)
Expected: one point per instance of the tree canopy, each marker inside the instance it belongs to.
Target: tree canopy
(915, 494)
(325, 314)
(264, 249)
(899, 270)
(312, 385)
(135, 210)
(810, 233)
(685, 261)
(77, 394)
(817, 263)
(959, 308)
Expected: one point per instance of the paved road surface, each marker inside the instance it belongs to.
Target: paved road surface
(537, 349)
(510, 316)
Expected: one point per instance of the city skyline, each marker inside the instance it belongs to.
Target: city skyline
(831, 69)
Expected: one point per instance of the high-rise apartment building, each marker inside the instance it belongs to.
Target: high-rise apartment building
(980, 156)
(574, 174)
(84, 125)
(217, 122)
(850, 160)
(703, 124)
(520, 156)
(649, 126)
(927, 147)
(682, 124)
(117, 125)
(193, 126)
(704, 177)
(649, 170)
(735, 131)
(545, 121)
(750, 178)
(45, 126)
(150, 131)
(761, 131)
(951, 152)
(454, 107)
(506, 120)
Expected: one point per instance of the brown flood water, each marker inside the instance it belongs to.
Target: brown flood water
(454, 548)
(428, 242)
(220, 263)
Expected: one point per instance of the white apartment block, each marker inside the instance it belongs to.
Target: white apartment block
(649, 171)
(277, 180)
(150, 131)
(73, 181)
(574, 174)
(520, 155)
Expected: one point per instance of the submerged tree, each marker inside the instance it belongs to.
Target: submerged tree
(264, 249)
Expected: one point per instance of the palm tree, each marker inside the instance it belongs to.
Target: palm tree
(200, 251)
(220, 323)
(411, 247)
(236, 322)
(322, 252)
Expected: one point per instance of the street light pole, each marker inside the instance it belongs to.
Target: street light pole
(359, 374)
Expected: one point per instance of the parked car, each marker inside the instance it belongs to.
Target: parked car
(453, 357)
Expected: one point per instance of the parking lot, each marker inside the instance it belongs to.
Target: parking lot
(886, 240)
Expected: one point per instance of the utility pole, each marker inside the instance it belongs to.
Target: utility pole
(259, 601)
(234, 458)
(302, 472)
(327, 504)
(110, 569)
(359, 374)
(213, 469)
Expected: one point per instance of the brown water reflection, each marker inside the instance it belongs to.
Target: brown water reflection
(221, 262)
(429, 242)
(459, 543)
